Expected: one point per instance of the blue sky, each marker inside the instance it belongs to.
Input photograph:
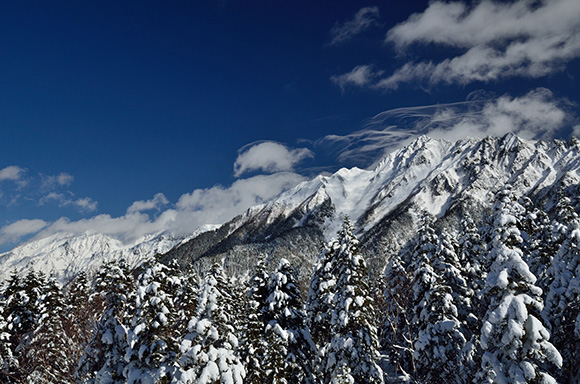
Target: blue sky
(133, 118)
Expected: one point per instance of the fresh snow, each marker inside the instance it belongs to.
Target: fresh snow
(64, 255)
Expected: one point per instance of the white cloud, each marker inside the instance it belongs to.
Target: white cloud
(214, 205)
(360, 76)
(61, 180)
(85, 204)
(364, 19)
(218, 204)
(158, 202)
(535, 115)
(269, 157)
(487, 23)
(19, 229)
(12, 173)
(490, 41)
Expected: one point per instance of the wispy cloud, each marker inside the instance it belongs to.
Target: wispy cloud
(535, 115)
(364, 19)
(85, 204)
(55, 181)
(41, 190)
(269, 156)
(360, 76)
(489, 40)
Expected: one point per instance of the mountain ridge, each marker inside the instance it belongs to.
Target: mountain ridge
(444, 178)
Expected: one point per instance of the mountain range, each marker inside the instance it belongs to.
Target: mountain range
(447, 179)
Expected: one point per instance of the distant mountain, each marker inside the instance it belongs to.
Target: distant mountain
(447, 179)
(64, 255)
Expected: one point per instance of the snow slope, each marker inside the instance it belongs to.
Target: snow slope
(64, 255)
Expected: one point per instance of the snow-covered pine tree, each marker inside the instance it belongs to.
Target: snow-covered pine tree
(563, 301)
(539, 245)
(471, 250)
(448, 265)
(48, 352)
(186, 300)
(564, 215)
(6, 359)
(153, 344)
(572, 317)
(515, 343)
(253, 344)
(209, 353)
(103, 361)
(396, 338)
(421, 267)
(352, 354)
(22, 310)
(440, 341)
(290, 356)
(320, 299)
(438, 287)
(80, 316)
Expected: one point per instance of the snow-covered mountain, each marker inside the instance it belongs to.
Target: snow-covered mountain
(64, 255)
(445, 178)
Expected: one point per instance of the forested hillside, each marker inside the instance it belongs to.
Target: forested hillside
(493, 299)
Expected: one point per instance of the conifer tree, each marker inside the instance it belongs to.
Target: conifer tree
(253, 343)
(320, 300)
(22, 310)
(186, 300)
(471, 252)
(48, 354)
(352, 354)
(439, 339)
(515, 343)
(209, 352)
(448, 265)
(103, 361)
(540, 247)
(6, 359)
(396, 336)
(470, 256)
(563, 301)
(153, 344)
(80, 316)
(421, 266)
(291, 349)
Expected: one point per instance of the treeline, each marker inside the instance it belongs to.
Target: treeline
(494, 303)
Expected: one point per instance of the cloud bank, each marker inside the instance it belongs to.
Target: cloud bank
(15, 231)
(215, 205)
(487, 41)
